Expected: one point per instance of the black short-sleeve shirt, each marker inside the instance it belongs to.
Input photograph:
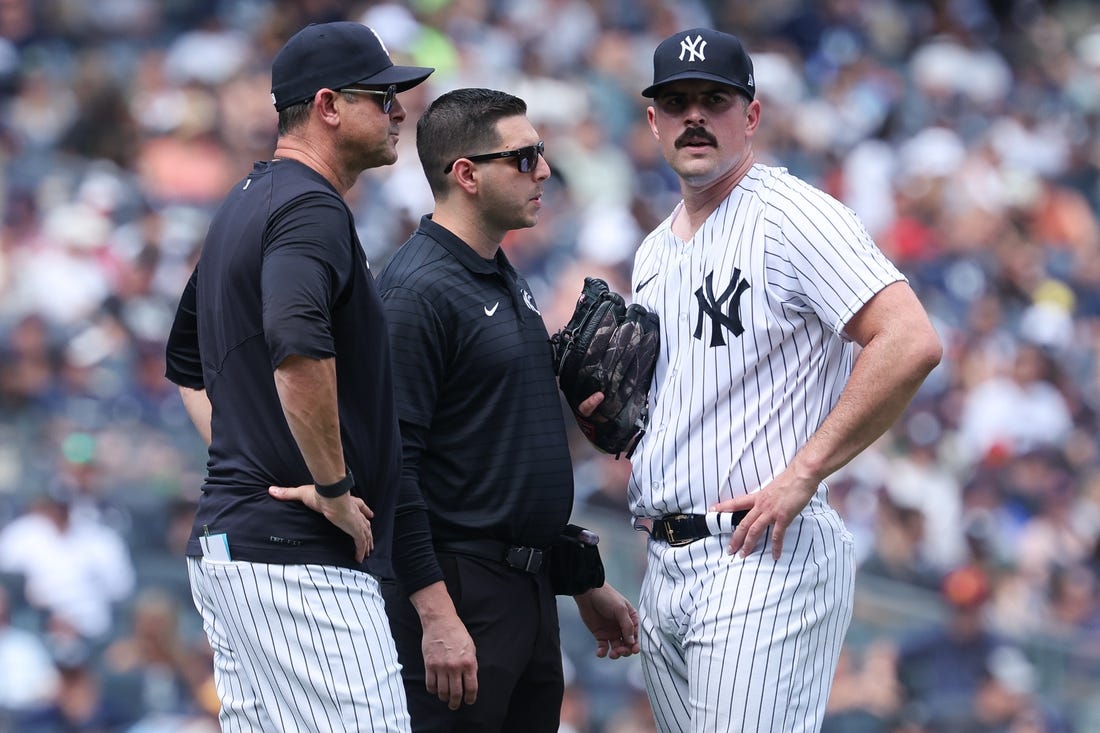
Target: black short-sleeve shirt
(474, 381)
(282, 273)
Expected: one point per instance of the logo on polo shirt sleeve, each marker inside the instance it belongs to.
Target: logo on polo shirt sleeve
(529, 301)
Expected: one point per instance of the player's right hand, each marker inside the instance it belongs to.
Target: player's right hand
(348, 512)
(772, 507)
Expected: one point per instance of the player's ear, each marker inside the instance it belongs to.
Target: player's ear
(464, 174)
(324, 102)
(752, 112)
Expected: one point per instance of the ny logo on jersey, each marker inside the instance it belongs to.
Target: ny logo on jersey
(695, 49)
(713, 307)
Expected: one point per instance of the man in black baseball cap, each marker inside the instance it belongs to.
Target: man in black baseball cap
(702, 53)
(281, 353)
(763, 285)
(335, 56)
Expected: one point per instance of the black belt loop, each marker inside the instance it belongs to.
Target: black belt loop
(678, 530)
(524, 559)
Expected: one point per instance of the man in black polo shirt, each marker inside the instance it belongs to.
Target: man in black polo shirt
(487, 483)
(280, 351)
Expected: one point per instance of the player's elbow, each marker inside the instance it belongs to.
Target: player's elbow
(926, 349)
(911, 346)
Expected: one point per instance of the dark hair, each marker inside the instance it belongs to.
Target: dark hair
(293, 116)
(459, 123)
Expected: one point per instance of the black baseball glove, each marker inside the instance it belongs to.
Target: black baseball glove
(608, 347)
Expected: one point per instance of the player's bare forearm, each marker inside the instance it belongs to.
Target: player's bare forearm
(900, 348)
(612, 619)
(450, 658)
(307, 391)
(197, 404)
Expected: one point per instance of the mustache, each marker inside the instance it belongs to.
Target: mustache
(693, 134)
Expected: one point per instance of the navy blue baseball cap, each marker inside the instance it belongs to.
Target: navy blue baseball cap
(702, 53)
(334, 56)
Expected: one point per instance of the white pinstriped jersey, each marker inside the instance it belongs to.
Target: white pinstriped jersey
(751, 363)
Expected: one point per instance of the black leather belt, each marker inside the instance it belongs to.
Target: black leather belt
(524, 559)
(683, 529)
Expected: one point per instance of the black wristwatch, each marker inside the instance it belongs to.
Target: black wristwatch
(341, 487)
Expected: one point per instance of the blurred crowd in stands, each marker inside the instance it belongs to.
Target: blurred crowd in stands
(965, 133)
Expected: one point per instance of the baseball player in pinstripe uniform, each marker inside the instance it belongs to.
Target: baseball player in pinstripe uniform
(280, 351)
(789, 343)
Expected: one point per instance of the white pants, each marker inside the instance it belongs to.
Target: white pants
(747, 644)
(299, 648)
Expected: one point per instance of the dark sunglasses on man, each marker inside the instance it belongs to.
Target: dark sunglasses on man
(526, 157)
(387, 96)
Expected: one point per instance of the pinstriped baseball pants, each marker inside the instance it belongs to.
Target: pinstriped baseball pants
(747, 645)
(299, 648)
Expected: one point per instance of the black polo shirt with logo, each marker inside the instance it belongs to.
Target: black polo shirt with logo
(485, 451)
(282, 273)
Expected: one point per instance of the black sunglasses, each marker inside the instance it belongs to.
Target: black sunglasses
(526, 158)
(387, 96)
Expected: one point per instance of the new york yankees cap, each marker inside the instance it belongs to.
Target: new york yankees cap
(702, 53)
(334, 56)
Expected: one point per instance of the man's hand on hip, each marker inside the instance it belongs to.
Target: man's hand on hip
(347, 511)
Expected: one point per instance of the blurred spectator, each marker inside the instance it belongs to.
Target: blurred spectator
(28, 677)
(1074, 602)
(1059, 535)
(897, 552)
(866, 696)
(79, 703)
(76, 569)
(60, 273)
(917, 476)
(1009, 413)
(151, 668)
(1006, 698)
(27, 362)
(944, 672)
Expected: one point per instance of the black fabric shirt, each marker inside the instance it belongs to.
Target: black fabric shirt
(282, 273)
(485, 450)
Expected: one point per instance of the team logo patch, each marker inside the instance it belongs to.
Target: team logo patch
(529, 301)
(724, 310)
(696, 49)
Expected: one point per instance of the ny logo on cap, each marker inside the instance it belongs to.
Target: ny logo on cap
(695, 49)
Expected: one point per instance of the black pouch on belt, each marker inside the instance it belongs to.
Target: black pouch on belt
(574, 562)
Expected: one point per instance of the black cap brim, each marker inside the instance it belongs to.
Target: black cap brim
(403, 77)
(652, 90)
